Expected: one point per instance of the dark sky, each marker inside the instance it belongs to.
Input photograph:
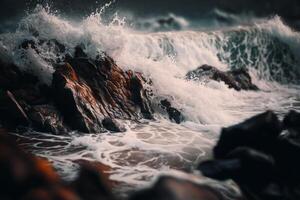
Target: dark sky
(13, 9)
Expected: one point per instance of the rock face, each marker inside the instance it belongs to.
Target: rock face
(259, 157)
(84, 92)
(237, 79)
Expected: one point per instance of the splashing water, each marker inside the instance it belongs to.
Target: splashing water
(269, 49)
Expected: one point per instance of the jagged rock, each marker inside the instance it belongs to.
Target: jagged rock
(46, 118)
(85, 92)
(237, 79)
(76, 101)
(178, 189)
(258, 132)
(174, 114)
(112, 125)
(88, 91)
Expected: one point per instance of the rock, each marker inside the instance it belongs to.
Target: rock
(243, 79)
(76, 101)
(88, 91)
(12, 114)
(258, 132)
(291, 122)
(256, 156)
(31, 177)
(177, 189)
(79, 53)
(90, 186)
(46, 118)
(249, 168)
(112, 125)
(81, 95)
(24, 176)
(236, 79)
(139, 96)
(174, 114)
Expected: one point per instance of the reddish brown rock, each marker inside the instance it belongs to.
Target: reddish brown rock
(90, 91)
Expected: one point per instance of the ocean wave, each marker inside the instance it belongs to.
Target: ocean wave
(268, 49)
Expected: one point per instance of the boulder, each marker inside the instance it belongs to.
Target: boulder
(237, 79)
(258, 132)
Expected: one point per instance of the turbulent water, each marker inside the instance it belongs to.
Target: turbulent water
(165, 50)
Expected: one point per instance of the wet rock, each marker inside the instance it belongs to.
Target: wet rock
(82, 94)
(112, 125)
(174, 114)
(139, 96)
(76, 101)
(243, 79)
(46, 118)
(258, 132)
(176, 189)
(237, 79)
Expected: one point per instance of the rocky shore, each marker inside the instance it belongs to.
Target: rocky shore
(259, 155)
(92, 95)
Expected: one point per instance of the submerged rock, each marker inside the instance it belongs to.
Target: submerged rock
(237, 79)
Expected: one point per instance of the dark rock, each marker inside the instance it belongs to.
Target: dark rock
(79, 53)
(174, 114)
(139, 97)
(236, 79)
(291, 122)
(258, 132)
(26, 174)
(90, 185)
(46, 118)
(112, 125)
(81, 95)
(243, 79)
(76, 101)
(248, 167)
(178, 189)
(12, 114)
